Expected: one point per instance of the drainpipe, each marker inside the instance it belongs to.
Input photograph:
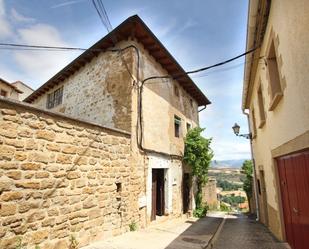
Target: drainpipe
(254, 172)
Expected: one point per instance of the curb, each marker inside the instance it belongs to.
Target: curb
(216, 234)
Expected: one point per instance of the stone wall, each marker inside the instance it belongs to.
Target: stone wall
(99, 92)
(61, 177)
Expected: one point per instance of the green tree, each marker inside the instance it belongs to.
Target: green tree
(247, 170)
(198, 155)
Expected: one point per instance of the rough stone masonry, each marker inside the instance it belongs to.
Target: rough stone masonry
(62, 177)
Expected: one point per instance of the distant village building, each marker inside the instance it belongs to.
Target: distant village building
(16, 90)
(276, 92)
(104, 146)
(26, 90)
(8, 90)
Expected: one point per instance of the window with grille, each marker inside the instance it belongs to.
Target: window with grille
(54, 98)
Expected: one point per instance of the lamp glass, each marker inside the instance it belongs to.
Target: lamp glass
(236, 128)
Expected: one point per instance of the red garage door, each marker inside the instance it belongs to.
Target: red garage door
(294, 180)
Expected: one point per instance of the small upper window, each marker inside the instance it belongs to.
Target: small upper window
(176, 91)
(54, 98)
(261, 107)
(191, 102)
(274, 77)
(177, 125)
(3, 93)
(188, 126)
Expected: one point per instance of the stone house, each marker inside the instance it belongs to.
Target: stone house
(276, 92)
(8, 90)
(26, 90)
(103, 87)
(16, 90)
(109, 89)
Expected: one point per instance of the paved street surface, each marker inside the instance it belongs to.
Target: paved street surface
(241, 232)
(174, 234)
(238, 232)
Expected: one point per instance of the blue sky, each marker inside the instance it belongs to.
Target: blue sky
(198, 33)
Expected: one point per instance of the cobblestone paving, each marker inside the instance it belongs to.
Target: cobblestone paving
(245, 233)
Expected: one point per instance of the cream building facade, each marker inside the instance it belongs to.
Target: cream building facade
(109, 88)
(276, 92)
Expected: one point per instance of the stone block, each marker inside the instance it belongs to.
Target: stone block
(14, 142)
(73, 175)
(26, 206)
(38, 236)
(53, 147)
(39, 157)
(31, 166)
(20, 156)
(6, 152)
(49, 222)
(41, 174)
(28, 185)
(65, 159)
(70, 149)
(36, 216)
(25, 132)
(11, 196)
(11, 112)
(7, 209)
(64, 125)
(8, 165)
(45, 134)
(16, 175)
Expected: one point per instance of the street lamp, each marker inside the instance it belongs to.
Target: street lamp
(236, 129)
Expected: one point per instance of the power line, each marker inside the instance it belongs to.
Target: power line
(177, 76)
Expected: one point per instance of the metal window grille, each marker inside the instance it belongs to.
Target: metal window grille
(55, 98)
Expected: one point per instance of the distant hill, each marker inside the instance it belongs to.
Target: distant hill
(227, 163)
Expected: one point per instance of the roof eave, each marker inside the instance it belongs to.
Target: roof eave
(257, 20)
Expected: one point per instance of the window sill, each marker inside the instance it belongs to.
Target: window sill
(262, 123)
(276, 99)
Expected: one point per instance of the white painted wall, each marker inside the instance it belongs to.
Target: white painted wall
(173, 176)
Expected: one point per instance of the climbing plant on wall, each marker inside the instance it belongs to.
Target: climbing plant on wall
(247, 170)
(198, 155)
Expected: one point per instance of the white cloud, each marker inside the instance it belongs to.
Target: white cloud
(41, 65)
(19, 17)
(5, 28)
(34, 66)
(225, 150)
(66, 3)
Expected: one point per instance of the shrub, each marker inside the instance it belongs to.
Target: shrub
(133, 226)
(201, 211)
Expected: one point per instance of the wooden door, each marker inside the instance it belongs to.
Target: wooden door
(263, 194)
(158, 199)
(154, 195)
(186, 192)
(294, 185)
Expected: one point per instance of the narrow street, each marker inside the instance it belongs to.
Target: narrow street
(216, 231)
(241, 232)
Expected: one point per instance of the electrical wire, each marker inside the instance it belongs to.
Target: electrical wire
(180, 75)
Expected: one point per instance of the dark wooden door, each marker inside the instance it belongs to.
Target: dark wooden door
(154, 195)
(186, 192)
(160, 192)
(294, 184)
(158, 199)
